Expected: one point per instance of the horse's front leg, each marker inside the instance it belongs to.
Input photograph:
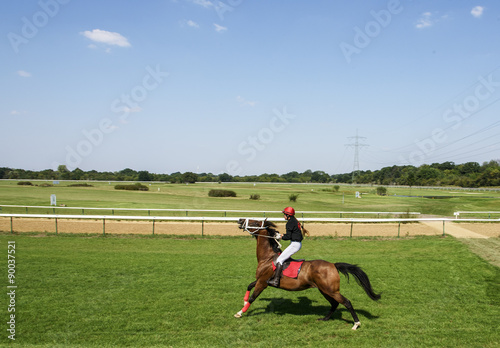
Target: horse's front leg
(247, 300)
(247, 294)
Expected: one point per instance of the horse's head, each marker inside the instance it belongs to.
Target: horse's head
(253, 227)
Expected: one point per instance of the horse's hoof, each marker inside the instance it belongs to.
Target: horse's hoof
(356, 325)
(237, 315)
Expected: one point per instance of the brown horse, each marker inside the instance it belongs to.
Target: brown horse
(314, 274)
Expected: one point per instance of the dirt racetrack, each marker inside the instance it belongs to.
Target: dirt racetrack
(231, 229)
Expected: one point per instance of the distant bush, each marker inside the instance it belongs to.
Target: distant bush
(26, 183)
(81, 185)
(221, 193)
(255, 197)
(135, 187)
(46, 185)
(381, 191)
(336, 188)
(293, 197)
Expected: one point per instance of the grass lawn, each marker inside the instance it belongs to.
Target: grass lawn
(273, 197)
(94, 291)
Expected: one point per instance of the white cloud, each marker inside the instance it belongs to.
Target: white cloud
(23, 73)
(428, 19)
(18, 112)
(192, 24)
(245, 102)
(203, 3)
(130, 110)
(477, 11)
(425, 21)
(219, 28)
(127, 111)
(106, 37)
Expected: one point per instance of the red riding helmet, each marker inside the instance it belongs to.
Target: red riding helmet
(289, 211)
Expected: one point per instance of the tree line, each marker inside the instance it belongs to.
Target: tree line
(470, 174)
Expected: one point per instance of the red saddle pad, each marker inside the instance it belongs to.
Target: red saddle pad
(291, 269)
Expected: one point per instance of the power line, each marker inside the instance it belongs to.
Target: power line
(448, 102)
(468, 146)
(339, 166)
(437, 153)
(453, 125)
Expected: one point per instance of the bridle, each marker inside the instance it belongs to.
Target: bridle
(245, 227)
(256, 228)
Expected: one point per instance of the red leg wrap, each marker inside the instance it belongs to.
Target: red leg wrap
(247, 296)
(245, 308)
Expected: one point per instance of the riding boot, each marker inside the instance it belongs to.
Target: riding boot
(275, 279)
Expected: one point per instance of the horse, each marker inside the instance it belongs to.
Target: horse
(319, 274)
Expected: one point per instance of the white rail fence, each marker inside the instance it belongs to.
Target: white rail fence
(458, 213)
(202, 220)
(253, 213)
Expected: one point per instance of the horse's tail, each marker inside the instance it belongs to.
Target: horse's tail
(361, 278)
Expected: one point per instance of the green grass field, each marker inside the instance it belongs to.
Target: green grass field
(93, 291)
(273, 197)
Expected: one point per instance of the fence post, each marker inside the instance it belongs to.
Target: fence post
(11, 230)
(56, 225)
(104, 227)
(202, 226)
(399, 228)
(351, 228)
(443, 229)
(153, 227)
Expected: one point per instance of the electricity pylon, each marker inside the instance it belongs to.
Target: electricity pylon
(356, 144)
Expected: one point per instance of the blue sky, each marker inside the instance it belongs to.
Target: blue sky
(248, 87)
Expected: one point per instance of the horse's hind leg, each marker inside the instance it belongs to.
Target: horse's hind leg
(333, 303)
(341, 299)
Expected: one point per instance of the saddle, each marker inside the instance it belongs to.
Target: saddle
(291, 267)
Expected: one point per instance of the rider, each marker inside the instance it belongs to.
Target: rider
(294, 234)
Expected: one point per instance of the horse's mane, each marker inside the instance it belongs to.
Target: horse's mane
(271, 231)
(268, 223)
